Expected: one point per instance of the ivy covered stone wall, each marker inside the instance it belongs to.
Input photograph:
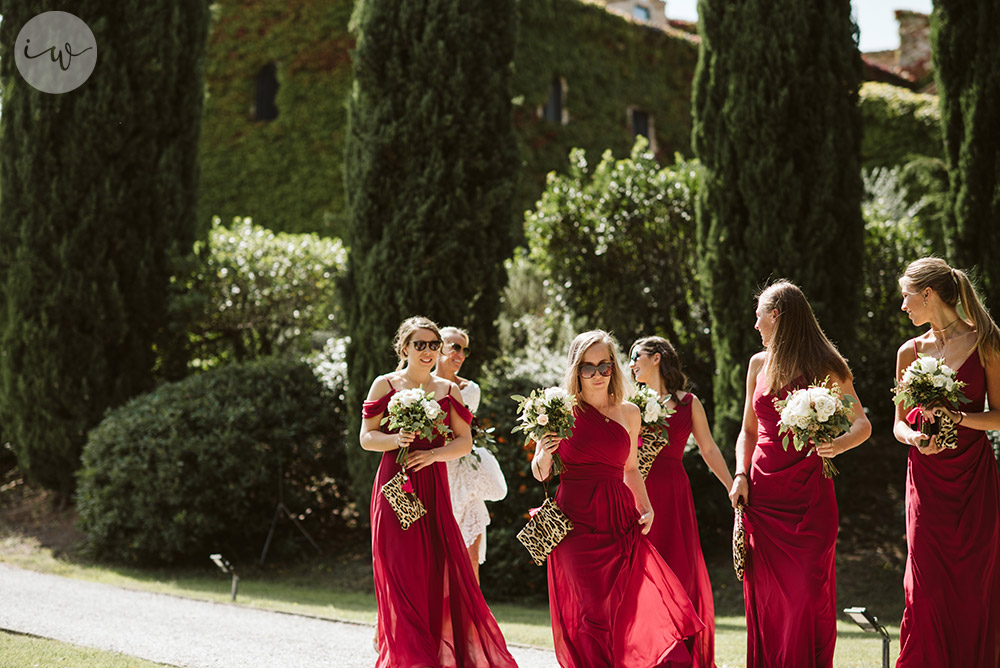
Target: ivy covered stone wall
(287, 173)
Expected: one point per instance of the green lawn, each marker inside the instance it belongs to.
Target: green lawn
(22, 650)
(333, 590)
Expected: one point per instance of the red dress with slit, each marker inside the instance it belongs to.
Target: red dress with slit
(674, 533)
(614, 602)
(791, 520)
(952, 578)
(431, 612)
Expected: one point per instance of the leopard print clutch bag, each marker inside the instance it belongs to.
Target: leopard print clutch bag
(544, 530)
(653, 441)
(407, 506)
(739, 543)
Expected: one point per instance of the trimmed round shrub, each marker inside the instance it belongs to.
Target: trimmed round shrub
(193, 467)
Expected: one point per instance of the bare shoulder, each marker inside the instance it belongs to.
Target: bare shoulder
(380, 387)
(757, 362)
(630, 414)
(906, 352)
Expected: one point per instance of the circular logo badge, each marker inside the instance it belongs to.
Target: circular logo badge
(55, 52)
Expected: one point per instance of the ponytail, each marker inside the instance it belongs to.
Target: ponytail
(972, 309)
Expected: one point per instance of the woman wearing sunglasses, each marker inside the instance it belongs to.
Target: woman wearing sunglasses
(613, 600)
(655, 364)
(430, 609)
(476, 477)
(791, 512)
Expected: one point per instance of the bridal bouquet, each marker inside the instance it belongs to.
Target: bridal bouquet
(415, 410)
(654, 413)
(926, 383)
(815, 414)
(543, 411)
(653, 436)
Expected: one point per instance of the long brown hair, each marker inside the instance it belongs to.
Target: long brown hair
(406, 330)
(956, 290)
(797, 341)
(571, 382)
(673, 378)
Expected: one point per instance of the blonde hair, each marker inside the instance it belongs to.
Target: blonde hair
(406, 330)
(581, 344)
(797, 341)
(445, 331)
(671, 374)
(956, 290)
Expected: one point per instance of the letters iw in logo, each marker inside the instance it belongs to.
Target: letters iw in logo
(55, 52)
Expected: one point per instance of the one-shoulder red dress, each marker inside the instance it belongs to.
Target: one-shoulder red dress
(791, 520)
(952, 577)
(674, 533)
(431, 611)
(614, 602)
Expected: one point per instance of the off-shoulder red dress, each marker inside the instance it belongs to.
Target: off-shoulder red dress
(431, 611)
(614, 602)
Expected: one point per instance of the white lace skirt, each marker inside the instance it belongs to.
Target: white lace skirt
(473, 481)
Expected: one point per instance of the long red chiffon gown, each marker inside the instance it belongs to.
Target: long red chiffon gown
(431, 612)
(614, 602)
(791, 520)
(675, 530)
(952, 577)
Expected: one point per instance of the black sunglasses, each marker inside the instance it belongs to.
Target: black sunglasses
(635, 355)
(419, 346)
(458, 348)
(588, 370)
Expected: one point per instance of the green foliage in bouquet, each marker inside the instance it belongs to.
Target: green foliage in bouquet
(929, 382)
(544, 411)
(815, 414)
(654, 413)
(415, 410)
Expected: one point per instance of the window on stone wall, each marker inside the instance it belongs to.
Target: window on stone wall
(642, 13)
(641, 123)
(555, 108)
(265, 92)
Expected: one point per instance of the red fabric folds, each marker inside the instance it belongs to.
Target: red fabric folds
(431, 611)
(790, 581)
(675, 530)
(614, 602)
(952, 578)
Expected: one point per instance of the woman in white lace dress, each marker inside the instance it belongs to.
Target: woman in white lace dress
(476, 477)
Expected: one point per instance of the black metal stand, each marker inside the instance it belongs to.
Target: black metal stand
(278, 509)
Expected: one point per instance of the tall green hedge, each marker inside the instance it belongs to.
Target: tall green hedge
(99, 186)
(966, 49)
(430, 170)
(778, 131)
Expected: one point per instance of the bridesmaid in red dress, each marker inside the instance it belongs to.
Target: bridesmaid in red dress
(791, 513)
(614, 602)
(655, 364)
(952, 578)
(431, 613)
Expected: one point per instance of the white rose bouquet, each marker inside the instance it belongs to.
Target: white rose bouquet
(654, 412)
(815, 414)
(926, 383)
(415, 410)
(543, 411)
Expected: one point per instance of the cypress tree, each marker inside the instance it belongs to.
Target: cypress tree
(430, 170)
(777, 128)
(965, 39)
(98, 185)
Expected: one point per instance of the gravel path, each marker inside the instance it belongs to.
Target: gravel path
(185, 632)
